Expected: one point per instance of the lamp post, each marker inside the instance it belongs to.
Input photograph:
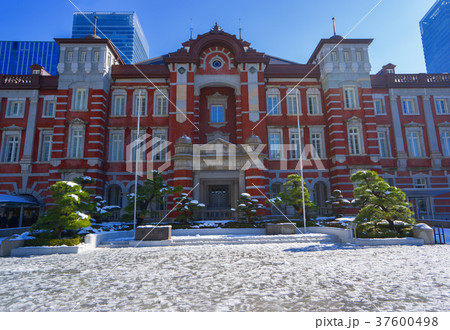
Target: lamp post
(301, 162)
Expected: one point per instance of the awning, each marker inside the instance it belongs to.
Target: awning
(425, 192)
(16, 200)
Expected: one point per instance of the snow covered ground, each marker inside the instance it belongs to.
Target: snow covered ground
(268, 277)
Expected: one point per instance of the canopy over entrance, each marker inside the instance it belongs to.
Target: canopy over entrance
(17, 200)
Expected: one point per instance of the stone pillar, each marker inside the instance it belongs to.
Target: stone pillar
(398, 133)
(27, 156)
(435, 154)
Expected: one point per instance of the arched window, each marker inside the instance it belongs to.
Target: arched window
(320, 196)
(114, 196)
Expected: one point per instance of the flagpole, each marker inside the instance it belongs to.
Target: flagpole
(301, 161)
(138, 138)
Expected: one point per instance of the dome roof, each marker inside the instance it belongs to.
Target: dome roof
(184, 140)
(253, 139)
(337, 37)
(92, 36)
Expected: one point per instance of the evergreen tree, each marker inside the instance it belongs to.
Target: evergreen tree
(153, 190)
(337, 203)
(248, 207)
(67, 213)
(186, 208)
(292, 195)
(378, 200)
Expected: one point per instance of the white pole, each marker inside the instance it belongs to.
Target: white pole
(301, 161)
(138, 139)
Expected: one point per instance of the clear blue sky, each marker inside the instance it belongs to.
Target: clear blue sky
(288, 29)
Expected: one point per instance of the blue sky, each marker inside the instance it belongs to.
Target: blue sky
(288, 29)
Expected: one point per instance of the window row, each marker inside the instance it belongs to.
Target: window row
(278, 150)
(293, 103)
(160, 106)
(82, 56)
(11, 146)
(409, 106)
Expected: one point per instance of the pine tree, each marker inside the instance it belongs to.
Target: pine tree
(248, 207)
(337, 203)
(153, 190)
(379, 201)
(67, 213)
(186, 208)
(292, 195)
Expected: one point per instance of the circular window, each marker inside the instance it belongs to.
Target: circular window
(216, 63)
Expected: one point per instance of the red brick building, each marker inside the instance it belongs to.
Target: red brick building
(221, 118)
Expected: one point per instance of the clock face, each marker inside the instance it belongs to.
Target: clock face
(217, 64)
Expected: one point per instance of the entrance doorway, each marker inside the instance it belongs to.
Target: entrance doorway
(219, 197)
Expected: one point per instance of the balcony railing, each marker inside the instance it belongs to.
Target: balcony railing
(411, 80)
(28, 82)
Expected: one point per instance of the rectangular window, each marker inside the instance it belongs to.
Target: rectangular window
(69, 57)
(316, 145)
(119, 105)
(49, 109)
(445, 140)
(16, 109)
(80, 99)
(383, 144)
(409, 107)
(313, 104)
(159, 150)
(162, 105)
(378, 105)
(420, 183)
(354, 141)
(350, 98)
(274, 145)
(217, 114)
(46, 147)
(441, 106)
(138, 146)
(294, 141)
(292, 104)
(334, 56)
(414, 145)
(140, 101)
(11, 149)
(347, 56)
(96, 56)
(272, 105)
(116, 153)
(359, 56)
(83, 57)
(76, 143)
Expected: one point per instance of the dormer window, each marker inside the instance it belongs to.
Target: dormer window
(389, 71)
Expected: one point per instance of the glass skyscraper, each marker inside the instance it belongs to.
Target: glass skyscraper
(435, 30)
(122, 28)
(16, 57)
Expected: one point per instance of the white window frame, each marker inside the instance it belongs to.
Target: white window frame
(278, 151)
(293, 102)
(140, 148)
(295, 153)
(421, 182)
(80, 104)
(119, 94)
(334, 57)
(347, 57)
(70, 56)
(20, 110)
(96, 57)
(443, 108)
(159, 151)
(359, 56)
(383, 133)
(83, 56)
(420, 142)
(216, 118)
(161, 104)
(42, 147)
(313, 93)
(116, 154)
(273, 94)
(16, 149)
(444, 133)
(382, 106)
(78, 151)
(136, 101)
(353, 90)
(354, 131)
(47, 105)
(317, 154)
(414, 108)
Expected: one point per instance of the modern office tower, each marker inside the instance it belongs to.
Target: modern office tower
(122, 28)
(16, 57)
(435, 30)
